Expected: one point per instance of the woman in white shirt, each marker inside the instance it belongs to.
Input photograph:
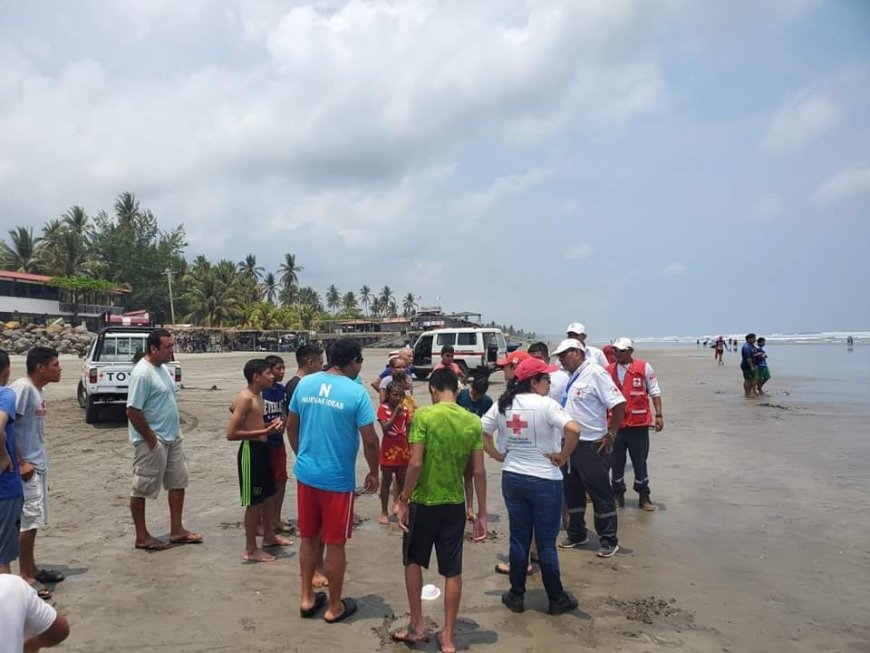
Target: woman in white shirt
(530, 428)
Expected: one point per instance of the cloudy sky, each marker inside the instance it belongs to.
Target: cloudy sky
(660, 168)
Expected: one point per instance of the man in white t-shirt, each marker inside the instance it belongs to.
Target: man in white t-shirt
(27, 623)
(577, 331)
(587, 398)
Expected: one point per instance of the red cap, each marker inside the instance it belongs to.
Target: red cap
(513, 358)
(532, 367)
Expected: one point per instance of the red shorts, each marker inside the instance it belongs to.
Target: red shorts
(278, 461)
(324, 513)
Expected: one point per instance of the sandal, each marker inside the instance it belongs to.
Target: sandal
(49, 576)
(350, 608)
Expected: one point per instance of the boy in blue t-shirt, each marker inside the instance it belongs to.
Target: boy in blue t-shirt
(11, 490)
(275, 407)
(762, 371)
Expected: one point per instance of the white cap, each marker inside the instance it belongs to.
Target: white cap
(576, 327)
(623, 343)
(568, 343)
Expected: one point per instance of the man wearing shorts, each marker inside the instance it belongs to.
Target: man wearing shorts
(11, 491)
(43, 367)
(155, 432)
(747, 367)
(762, 371)
(328, 413)
(445, 439)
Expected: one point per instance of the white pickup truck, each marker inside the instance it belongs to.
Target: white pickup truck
(106, 372)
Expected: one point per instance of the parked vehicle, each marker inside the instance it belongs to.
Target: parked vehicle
(106, 371)
(476, 349)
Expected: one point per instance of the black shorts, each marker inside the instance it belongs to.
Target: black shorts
(442, 526)
(256, 480)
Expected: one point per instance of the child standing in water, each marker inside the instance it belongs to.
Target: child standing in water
(394, 418)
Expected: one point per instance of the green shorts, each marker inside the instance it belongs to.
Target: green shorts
(748, 372)
(762, 373)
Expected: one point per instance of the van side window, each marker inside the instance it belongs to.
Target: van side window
(466, 339)
(446, 339)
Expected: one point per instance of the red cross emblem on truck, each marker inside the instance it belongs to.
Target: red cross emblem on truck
(516, 424)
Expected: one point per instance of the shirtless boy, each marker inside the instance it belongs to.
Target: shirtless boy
(255, 473)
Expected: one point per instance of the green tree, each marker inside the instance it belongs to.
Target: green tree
(250, 268)
(386, 298)
(348, 303)
(214, 295)
(307, 296)
(66, 249)
(289, 278)
(270, 287)
(333, 298)
(409, 305)
(365, 297)
(23, 253)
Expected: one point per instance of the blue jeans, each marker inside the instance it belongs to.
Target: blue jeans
(533, 503)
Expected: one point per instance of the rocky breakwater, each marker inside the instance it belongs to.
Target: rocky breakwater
(66, 339)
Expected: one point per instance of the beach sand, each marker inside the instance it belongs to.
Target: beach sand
(762, 541)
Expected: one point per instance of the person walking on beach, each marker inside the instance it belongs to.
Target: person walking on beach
(445, 440)
(11, 490)
(328, 414)
(531, 427)
(577, 331)
(587, 398)
(43, 367)
(638, 382)
(155, 431)
(747, 366)
(762, 371)
(719, 350)
(256, 477)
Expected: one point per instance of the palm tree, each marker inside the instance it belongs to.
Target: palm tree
(348, 302)
(377, 306)
(289, 277)
(365, 296)
(270, 287)
(127, 208)
(333, 298)
(307, 296)
(386, 297)
(214, 294)
(76, 219)
(409, 305)
(392, 308)
(23, 255)
(250, 268)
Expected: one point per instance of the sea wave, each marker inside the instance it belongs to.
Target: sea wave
(819, 337)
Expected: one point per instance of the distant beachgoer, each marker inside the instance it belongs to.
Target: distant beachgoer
(447, 356)
(26, 622)
(155, 432)
(256, 478)
(43, 367)
(577, 331)
(698, 342)
(395, 451)
(398, 371)
(11, 489)
(275, 406)
(762, 371)
(538, 437)
(747, 366)
(589, 398)
(850, 341)
(328, 414)
(637, 380)
(445, 440)
(719, 348)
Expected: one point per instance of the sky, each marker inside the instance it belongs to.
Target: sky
(648, 169)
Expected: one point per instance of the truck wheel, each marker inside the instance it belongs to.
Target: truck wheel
(92, 412)
(81, 395)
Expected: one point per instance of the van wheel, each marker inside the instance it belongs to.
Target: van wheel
(92, 412)
(81, 395)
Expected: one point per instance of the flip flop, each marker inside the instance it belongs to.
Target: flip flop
(49, 576)
(319, 602)
(350, 607)
(153, 546)
(190, 538)
(404, 636)
(42, 592)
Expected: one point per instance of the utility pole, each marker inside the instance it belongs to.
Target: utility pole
(171, 303)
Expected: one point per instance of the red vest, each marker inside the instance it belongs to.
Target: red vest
(633, 386)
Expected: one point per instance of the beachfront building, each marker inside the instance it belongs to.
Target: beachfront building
(26, 297)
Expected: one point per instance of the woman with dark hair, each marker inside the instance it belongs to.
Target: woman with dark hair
(530, 428)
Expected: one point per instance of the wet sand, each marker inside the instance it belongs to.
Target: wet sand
(762, 541)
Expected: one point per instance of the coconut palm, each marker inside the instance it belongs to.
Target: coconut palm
(214, 294)
(392, 308)
(348, 303)
(270, 287)
(377, 307)
(76, 219)
(333, 298)
(307, 296)
(386, 297)
(365, 296)
(409, 305)
(289, 277)
(23, 254)
(250, 268)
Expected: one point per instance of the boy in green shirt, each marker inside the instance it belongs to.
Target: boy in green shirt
(445, 440)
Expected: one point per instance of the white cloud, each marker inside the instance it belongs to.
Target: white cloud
(579, 252)
(801, 119)
(843, 185)
(674, 269)
(767, 207)
(502, 188)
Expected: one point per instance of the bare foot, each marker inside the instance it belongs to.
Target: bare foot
(410, 636)
(383, 520)
(277, 540)
(395, 507)
(446, 645)
(258, 556)
(319, 580)
(469, 514)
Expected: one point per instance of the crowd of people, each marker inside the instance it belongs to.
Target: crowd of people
(562, 432)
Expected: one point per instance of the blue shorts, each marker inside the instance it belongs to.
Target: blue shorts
(10, 523)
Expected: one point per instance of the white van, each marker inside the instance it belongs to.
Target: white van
(475, 349)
